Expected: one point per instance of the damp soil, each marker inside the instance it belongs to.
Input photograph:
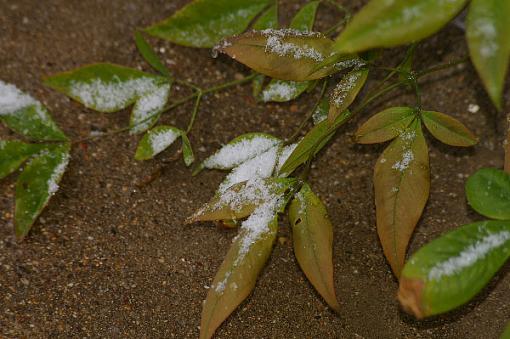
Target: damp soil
(112, 258)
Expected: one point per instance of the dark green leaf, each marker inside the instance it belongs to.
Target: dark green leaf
(488, 192)
(37, 183)
(346, 91)
(452, 269)
(385, 125)
(283, 54)
(321, 112)
(13, 153)
(27, 116)
(489, 46)
(203, 23)
(312, 143)
(187, 150)
(448, 130)
(268, 19)
(156, 141)
(401, 185)
(257, 84)
(312, 235)
(237, 274)
(305, 18)
(149, 55)
(383, 23)
(106, 87)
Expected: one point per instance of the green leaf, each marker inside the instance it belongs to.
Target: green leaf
(506, 332)
(187, 150)
(238, 273)
(452, 269)
(27, 116)
(488, 192)
(448, 130)
(240, 200)
(149, 55)
(203, 23)
(148, 108)
(489, 46)
(106, 87)
(37, 183)
(305, 18)
(257, 84)
(385, 125)
(312, 235)
(383, 23)
(284, 54)
(156, 141)
(401, 185)
(321, 112)
(283, 91)
(13, 153)
(346, 91)
(312, 143)
(268, 19)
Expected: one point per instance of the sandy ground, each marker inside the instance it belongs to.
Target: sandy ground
(110, 259)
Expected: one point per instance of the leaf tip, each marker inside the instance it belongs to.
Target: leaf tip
(410, 294)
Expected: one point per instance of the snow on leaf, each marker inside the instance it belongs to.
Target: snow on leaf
(148, 108)
(156, 140)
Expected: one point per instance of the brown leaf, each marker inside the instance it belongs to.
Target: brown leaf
(237, 275)
(448, 130)
(312, 235)
(283, 54)
(401, 183)
(346, 91)
(385, 125)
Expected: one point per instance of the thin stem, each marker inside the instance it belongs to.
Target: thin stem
(294, 136)
(507, 145)
(441, 67)
(194, 113)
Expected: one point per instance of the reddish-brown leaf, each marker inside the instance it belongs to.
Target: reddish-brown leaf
(283, 54)
(402, 184)
(312, 235)
(346, 91)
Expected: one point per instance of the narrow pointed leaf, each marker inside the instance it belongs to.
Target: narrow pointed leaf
(27, 116)
(448, 130)
(240, 200)
(240, 149)
(156, 141)
(13, 153)
(105, 87)
(383, 23)
(283, 91)
(203, 23)
(385, 125)
(284, 54)
(346, 91)
(150, 56)
(312, 143)
(148, 108)
(187, 150)
(451, 270)
(36, 184)
(305, 18)
(488, 192)
(268, 19)
(321, 112)
(401, 184)
(489, 46)
(312, 235)
(238, 274)
(257, 84)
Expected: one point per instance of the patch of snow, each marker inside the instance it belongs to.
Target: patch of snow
(403, 164)
(279, 90)
(275, 44)
(473, 108)
(162, 139)
(57, 174)
(12, 99)
(147, 108)
(469, 256)
(344, 87)
(284, 155)
(239, 151)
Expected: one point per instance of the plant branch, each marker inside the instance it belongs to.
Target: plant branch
(507, 145)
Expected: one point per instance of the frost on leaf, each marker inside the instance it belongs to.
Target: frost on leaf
(148, 108)
(156, 140)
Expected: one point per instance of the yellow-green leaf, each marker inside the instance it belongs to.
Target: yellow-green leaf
(487, 30)
(448, 130)
(268, 19)
(13, 153)
(401, 184)
(284, 54)
(187, 150)
(385, 125)
(388, 23)
(238, 273)
(312, 235)
(156, 141)
(346, 91)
